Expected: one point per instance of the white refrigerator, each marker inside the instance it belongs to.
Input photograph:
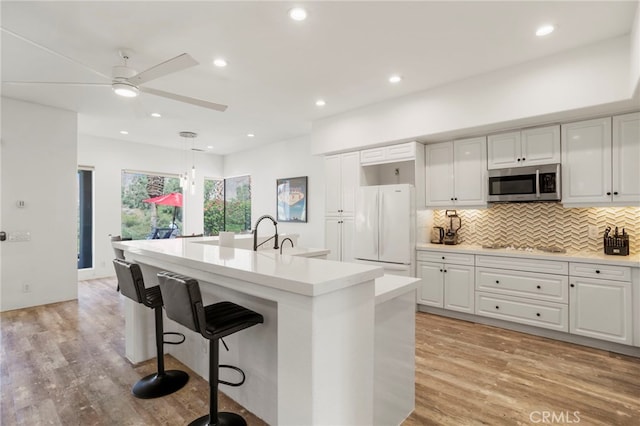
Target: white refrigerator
(385, 228)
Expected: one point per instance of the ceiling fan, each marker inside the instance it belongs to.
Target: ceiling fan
(125, 81)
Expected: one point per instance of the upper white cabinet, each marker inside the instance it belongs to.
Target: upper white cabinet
(456, 174)
(342, 176)
(600, 167)
(529, 147)
(390, 154)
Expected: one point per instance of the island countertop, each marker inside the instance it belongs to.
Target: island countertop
(294, 272)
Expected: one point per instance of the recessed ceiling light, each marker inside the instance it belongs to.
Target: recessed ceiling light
(209, 146)
(250, 135)
(221, 63)
(298, 14)
(124, 132)
(395, 79)
(320, 102)
(544, 30)
(156, 115)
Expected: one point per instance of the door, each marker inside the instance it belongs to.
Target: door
(541, 145)
(394, 243)
(367, 223)
(333, 193)
(350, 181)
(347, 236)
(626, 158)
(430, 291)
(439, 180)
(601, 309)
(586, 161)
(459, 292)
(470, 171)
(504, 150)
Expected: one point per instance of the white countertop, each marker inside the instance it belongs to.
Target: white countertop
(291, 272)
(569, 256)
(391, 286)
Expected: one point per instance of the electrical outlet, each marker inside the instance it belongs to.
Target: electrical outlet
(26, 288)
(593, 231)
(472, 228)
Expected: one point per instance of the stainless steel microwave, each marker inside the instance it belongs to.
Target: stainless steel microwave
(522, 184)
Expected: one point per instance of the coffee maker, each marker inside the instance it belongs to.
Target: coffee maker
(451, 237)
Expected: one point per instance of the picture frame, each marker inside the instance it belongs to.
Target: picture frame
(291, 199)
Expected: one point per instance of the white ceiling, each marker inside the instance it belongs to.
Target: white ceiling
(344, 52)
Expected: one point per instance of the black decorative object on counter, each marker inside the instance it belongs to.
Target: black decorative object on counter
(618, 244)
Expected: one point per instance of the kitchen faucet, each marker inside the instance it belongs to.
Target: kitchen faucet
(255, 233)
(284, 241)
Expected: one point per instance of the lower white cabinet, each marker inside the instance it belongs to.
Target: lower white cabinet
(601, 309)
(446, 286)
(339, 237)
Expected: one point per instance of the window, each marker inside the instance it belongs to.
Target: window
(85, 218)
(227, 205)
(143, 220)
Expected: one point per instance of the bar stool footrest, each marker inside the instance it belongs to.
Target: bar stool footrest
(173, 333)
(224, 419)
(236, 384)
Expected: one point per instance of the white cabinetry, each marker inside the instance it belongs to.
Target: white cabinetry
(529, 147)
(339, 236)
(342, 177)
(456, 173)
(390, 154)
(599, 168)
(514, 289)
(446, 281)
(600, 302)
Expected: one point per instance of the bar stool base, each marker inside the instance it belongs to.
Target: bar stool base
(224, 419)
(154, 386)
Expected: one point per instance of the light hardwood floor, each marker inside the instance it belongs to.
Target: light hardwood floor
(64, 364)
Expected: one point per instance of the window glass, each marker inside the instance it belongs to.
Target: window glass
(145, 220)
(227, 205)
(85, 218)
(213, 206)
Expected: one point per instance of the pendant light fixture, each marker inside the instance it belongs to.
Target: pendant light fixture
(187, 179)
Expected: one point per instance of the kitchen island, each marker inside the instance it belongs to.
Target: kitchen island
(312, 361)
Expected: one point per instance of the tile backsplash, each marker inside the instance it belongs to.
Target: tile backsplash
(542, 224)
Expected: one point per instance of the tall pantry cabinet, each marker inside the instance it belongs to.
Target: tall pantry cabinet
(342, 177)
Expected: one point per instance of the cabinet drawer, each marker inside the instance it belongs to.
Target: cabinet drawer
(550, 315)
(591, 270)
(523, 264)
(532, 285)
(445, 257)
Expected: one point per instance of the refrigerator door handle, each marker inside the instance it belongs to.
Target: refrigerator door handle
(375, 240)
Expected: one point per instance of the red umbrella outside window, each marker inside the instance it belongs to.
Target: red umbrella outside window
(173, 199)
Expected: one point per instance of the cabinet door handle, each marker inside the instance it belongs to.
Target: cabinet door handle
(572, 285)
(615, 192)
(440, 270)
(538, 287)
(597, 271)
(497, 281)
(537, 314)
(442, 257)
(451, 198)
(497, 307)
(445, 270)
(608, 193)
(456, 198)
(518, 159)
(523, 158)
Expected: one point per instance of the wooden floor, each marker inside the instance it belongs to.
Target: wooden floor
(64, 364)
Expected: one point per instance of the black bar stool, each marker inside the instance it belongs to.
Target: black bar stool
(183, 303)
(131, 285)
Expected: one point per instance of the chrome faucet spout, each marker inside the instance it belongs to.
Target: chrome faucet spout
(255, 233)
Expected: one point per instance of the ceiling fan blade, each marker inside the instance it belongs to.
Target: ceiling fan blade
(192, 101)
(52, 83)
(178, 63)
(53, 52)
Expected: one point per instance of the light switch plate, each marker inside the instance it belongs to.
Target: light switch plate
(593, 231)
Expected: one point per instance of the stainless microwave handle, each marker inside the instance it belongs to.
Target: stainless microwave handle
(537, 183)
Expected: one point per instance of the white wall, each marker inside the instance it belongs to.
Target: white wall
(108, 158)
(291, 158)
(634, 54)
(39, 167)
(581, 78)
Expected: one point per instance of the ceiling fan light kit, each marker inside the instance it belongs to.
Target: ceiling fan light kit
(124, 89)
